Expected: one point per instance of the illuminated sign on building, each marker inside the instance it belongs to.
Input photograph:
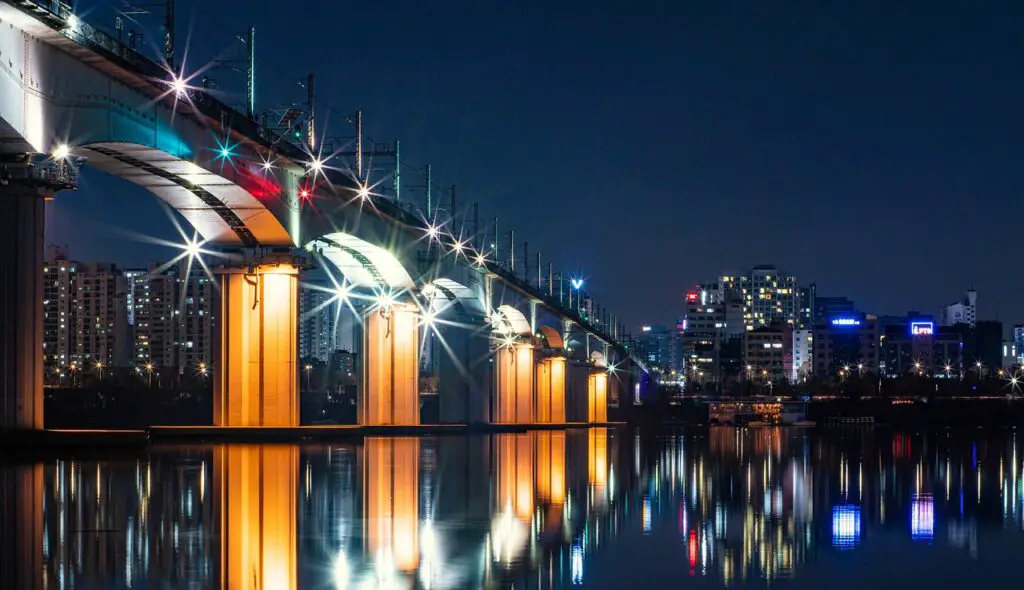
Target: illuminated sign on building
(845, 322)
(922, 328)
(691, 297)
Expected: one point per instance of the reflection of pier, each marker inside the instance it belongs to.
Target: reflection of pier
(256, 507)
(395, 511)
(21, 527)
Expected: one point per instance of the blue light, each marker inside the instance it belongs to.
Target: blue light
(922, 517)
(845, 322)
(576, 283)
(922, 328)
(845, 526)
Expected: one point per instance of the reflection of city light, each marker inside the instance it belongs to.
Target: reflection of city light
(691, 547)
(922, 518)
(341, 571)
(576, 565)
(430, 554)
(845, 526)
(647, 515)
(508, 535)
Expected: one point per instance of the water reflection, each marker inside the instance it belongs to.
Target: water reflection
(551, 509)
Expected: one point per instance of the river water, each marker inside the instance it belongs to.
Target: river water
(597, 508)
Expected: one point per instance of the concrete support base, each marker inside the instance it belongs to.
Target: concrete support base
(462, 374)
(256, 503)
(389, 392)
(391, 500)
(256, 357)
(551, 390)
(21, 307)
(514, 375)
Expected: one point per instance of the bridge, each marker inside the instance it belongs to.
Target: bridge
(510, 348)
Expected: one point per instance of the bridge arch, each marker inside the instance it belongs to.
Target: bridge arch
(363, 264)
(509, 320)
(224, 207)
(552, 338)
(444, 293)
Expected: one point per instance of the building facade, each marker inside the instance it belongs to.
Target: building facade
(768, 352)
(917, 346)
(963, 311)
(803, 355)
(846, 343)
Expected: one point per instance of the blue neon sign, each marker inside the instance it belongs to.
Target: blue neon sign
(845, 322)
(922, 328)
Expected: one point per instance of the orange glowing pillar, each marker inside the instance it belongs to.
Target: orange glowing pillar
(256, 379)
(256, 490)
(515, 375)
(551, 390)
(391, 369)
(515, 473)
(551, 466)
(391, 500)
(597, 398)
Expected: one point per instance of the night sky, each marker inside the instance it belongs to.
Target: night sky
(871, 147)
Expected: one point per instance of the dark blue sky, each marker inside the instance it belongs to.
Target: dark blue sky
(872, 147)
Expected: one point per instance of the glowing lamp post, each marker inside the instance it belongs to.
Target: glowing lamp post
(576, 284)
(309, 369)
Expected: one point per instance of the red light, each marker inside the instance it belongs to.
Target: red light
(691, 296)
(692, 546)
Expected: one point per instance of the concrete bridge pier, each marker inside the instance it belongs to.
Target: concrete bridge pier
(21, 304)
(389, 389)
(256, 353)
(551, 389)
(463, 372)
(514, 369)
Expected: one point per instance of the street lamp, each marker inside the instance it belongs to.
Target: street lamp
(99, 369)
(149, 369)
(309, 369)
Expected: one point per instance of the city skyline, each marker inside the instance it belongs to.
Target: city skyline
(862, 151)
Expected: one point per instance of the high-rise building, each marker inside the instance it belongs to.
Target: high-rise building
(101, 319)
(764, 295)
(846, 343)
(963, 311)
(155, 329)
(1018, 340)
(803, 351)
(654, 346)
(320, 329)
(768, 352)
(914, 345)
(826, 308)
(194, 309)
(84, 316)
(60, 308)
